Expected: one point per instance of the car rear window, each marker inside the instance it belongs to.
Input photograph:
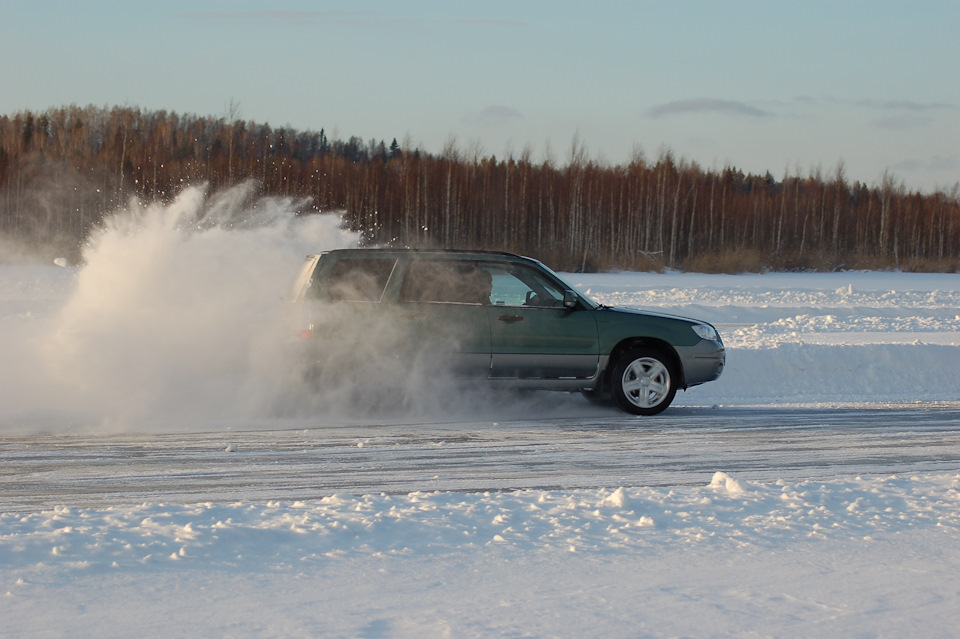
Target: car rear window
(359, 279)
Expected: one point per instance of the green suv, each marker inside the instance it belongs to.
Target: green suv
(500, 317)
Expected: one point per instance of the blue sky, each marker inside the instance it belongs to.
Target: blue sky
(760, 85)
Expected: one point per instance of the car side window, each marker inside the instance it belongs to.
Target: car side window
(448, 281)
(517, 285)
(359, 280)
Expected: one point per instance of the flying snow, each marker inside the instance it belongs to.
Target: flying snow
(174, 316)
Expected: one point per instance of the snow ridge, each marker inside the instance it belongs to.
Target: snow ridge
(728, 513)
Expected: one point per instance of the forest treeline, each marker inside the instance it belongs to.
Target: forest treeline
(64, 169)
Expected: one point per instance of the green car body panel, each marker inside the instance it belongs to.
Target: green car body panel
(498, 316)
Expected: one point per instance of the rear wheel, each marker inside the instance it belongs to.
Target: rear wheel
(643, 381)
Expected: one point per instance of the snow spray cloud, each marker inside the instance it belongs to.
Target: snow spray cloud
(172, 316)
(177, 321)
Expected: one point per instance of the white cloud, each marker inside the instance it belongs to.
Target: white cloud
(707, 105)
(493, 116)
(935, 163)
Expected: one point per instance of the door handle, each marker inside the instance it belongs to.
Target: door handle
(510, 319)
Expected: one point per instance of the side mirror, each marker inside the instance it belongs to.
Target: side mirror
(570, 299)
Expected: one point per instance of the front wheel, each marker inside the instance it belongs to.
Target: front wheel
(642, 381)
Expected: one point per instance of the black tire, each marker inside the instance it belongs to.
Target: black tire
(643, 381)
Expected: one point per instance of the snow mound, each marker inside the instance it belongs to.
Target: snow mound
(724, 483)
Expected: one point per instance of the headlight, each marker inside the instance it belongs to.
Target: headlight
(705, 331)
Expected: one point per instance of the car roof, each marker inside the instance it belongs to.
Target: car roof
(399, 252)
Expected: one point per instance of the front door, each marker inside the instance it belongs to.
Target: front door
(532, 335)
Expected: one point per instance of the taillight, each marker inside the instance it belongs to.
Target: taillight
(306, 333)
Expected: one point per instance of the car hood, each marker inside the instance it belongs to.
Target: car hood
(637, 311)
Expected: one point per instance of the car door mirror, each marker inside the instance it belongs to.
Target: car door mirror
(570, 299)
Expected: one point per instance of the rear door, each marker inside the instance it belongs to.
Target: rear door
(442, 302)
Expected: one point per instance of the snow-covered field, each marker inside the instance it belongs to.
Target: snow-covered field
(815, 339)
(719, 554)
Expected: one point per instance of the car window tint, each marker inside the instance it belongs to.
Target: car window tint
(521, 286)
(446, 281)
(359, 280)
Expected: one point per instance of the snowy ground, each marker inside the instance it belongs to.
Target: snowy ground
(711, 552)
(848, 338)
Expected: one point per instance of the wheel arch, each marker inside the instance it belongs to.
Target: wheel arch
(646, 342)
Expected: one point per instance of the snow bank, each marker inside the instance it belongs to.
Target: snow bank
(813, 339)
(728, 513)
(860, 556)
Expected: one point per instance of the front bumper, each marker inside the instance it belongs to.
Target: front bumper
(702, 362)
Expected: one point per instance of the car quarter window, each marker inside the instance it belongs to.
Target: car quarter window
(449, 281)
(359, 280)
(517, 285)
